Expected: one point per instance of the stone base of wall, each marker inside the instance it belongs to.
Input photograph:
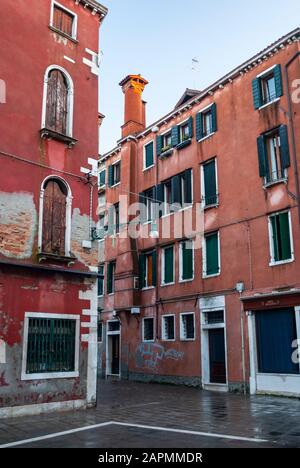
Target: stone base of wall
(32, 410)
(165, 379)
(239, 387)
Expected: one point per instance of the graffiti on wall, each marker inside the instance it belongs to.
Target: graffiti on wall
(150, 355)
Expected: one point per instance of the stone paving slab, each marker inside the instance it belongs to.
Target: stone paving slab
(274, 419)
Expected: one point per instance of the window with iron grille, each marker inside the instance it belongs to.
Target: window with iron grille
(168, 328)
(50, 346)
(64, 21)
(148, 329)
(187, 328)
(214, 317)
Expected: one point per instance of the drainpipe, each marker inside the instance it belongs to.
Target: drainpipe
(292, 130)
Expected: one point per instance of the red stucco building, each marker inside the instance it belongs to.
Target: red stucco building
(49, 67)
(222, 313)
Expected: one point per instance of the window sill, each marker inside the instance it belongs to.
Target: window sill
(147, 168)
(148, 288)
(166, 153)
(45, 256)
(187, 339)
(209, 207)
(188, 207)
(283, 180)
(164, 285)
(206, 137)
(148, 341)
(183, 144)
(269, 104)
(281, 262)
(115, 185)
(215, 275)
(168, 341)
(46, 133)
(101, 188)
(50, 375)
(61, 33)
(187, 280)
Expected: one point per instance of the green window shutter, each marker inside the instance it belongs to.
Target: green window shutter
(154, 268)
(110, 279)
(160, 197)
(175, 136)
(278, 81)
(187, 260)
(142, 270)
(175, 190)
(256, 92)
(111, 219)
(110, 176)
(159, 145)
(210, 183)
(214, 117)
(143, 211)
(274, 224)
(188, 186)
(102, 178)
(191, 127)
(199, 126)
(149, 155)
(284, 147)
(169, 265)
(212, 254)
(285, 240)
(262, 157)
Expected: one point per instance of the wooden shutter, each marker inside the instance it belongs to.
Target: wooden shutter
(256, 92)
(212, 254)
(274, 223)
(57, 102)
(63, 20)
(284, 147)
(109, 278)
(278, 81)
(188, 186)
(159, 145)
(169, 265)
(149, 159)
(262, 156)
(175, 136)
(187, 260)
(110, 176)
(54, 219)
(191, 127)
(210, 183)
(154, 268)
(102, 177)
(199, 126)
(142, 270)
(285, 240)
(175, 190)
(214, 126)
(143, 206)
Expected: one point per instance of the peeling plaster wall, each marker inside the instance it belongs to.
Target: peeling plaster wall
(81, 232)
(18, 224)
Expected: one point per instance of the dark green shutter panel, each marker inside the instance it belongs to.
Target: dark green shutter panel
(262, 156)
(160, 197)
(110, 176)
(142, 270)
(274, 223)
(102, 178)
(191, 127)
(214, 117)
(188, 186)
(284, 230)
(284, 147)
(187, 261)
(159, 145)
(149, 156)
(175, 136)
(175, 190)
(256, 92)
(169, 265)
(143, 209)
(212, 254)
(109, 278)
(278, 81)
(154, 268)
(210, 183)
(199, 126)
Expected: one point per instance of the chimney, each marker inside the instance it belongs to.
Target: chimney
(134, 113)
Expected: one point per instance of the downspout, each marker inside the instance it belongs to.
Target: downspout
(292, 130)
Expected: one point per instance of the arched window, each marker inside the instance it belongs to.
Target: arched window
(55, 217)
(58, 101)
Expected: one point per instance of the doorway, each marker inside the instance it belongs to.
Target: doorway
(217, 356)
(113, 348)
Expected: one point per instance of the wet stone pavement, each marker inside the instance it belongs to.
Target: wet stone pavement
(140, 415)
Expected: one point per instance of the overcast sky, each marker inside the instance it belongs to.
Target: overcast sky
(160, 38)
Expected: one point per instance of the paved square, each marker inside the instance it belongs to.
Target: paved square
(161, 416)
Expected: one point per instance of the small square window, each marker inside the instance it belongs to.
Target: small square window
(184, 132)
(187, 326)
(268, 88)
(148, 329)
(281, 238)
(167, 142)
(168, 328)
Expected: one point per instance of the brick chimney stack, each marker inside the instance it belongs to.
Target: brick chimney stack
(134, 113)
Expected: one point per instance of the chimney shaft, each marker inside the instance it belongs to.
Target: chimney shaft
(134, 112)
